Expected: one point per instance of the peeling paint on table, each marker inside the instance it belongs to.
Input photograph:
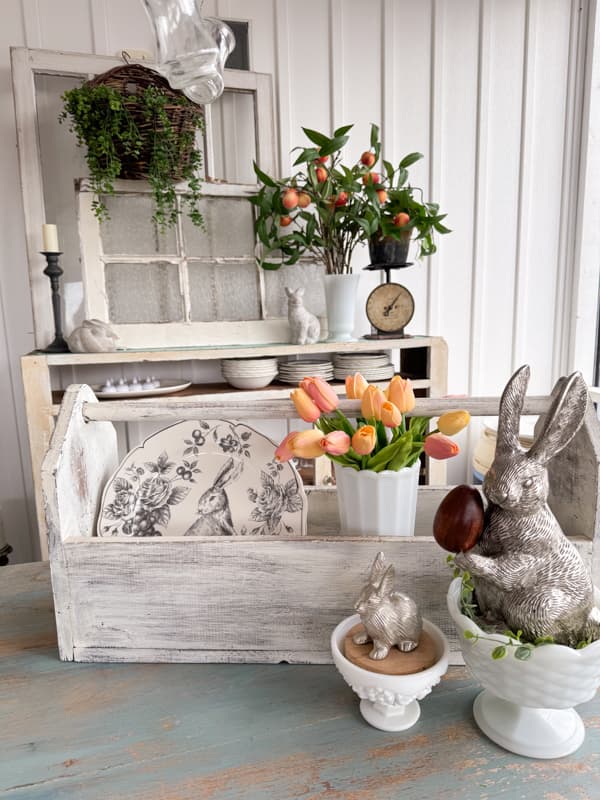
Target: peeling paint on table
(237, 731)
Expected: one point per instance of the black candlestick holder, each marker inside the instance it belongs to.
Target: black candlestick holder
(53, 271)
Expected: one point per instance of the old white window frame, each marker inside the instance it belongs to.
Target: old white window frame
(26, 65)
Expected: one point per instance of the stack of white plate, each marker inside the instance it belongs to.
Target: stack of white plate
(295, 371)
(372, 366)
(249, 373)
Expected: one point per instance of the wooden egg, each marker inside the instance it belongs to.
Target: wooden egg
(458, 522)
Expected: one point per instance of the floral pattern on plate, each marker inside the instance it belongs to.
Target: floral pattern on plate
(203, 478)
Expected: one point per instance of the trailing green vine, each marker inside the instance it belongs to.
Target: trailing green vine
(103, 123)
(522, 650)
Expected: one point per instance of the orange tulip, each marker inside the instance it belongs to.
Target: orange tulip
(356, 386)
(284, 452)
(453, 421)
(372, 401)
(364, 440)
(401, 394)
(390, 415)
(320, 393)
(307, 444)
(336, 443)
(439, 446)
(305, 407)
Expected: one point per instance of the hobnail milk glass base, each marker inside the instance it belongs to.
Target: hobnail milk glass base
(389, 702)
(531, 732)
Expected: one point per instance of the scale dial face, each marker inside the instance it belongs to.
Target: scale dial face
(390, 307)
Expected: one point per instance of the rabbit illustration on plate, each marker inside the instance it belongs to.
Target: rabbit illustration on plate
(527, 573)
(214, 513)
(389, 617)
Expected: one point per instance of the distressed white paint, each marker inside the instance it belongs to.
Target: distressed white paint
(477, 163)
(238, 598)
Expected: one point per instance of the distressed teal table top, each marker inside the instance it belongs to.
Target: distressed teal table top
(227, 732)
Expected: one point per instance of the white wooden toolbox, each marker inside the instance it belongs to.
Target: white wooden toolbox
(246, 599)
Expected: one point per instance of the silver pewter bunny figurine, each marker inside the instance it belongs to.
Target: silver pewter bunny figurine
(214, 513)
(305, 327)
(526, 571)
(389, 618)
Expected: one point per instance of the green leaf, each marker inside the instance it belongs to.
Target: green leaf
(374, 135)
(410, 159)
(389, 170)
(263, 176)
(523, 653)
(332, 145)
(343, 130)
(469, 635)
(498, 652)
(318, 138)
(272, 265)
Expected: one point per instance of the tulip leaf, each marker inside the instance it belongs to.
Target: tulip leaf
(344, 422)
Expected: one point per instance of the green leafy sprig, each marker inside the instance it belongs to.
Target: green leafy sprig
(103, 123)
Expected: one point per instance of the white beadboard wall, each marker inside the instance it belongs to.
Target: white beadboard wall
(488, 90)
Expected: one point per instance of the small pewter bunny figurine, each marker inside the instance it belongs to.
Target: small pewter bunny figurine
(305, 327)
(526, 571)
(389, 618)
(214, 513)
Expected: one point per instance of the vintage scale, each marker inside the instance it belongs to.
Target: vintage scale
(390, 306)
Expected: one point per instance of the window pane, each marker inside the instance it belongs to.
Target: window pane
(234, 136)
(225, 292)
(308, 275)
(229, 229)
(143, 292)
(130, 229)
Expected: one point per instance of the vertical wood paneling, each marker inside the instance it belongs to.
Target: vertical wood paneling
(336, 64)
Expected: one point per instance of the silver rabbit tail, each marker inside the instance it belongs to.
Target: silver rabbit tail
(527, 574)
(389, 617)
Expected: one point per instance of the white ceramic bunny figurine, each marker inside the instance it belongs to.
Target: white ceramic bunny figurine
(214, 513)
(305, 327)
(389, 617)
(527, 573)
(92, 336)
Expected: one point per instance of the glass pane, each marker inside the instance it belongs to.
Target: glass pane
(229, 229)
(131, 230)
(225, 292)
(143, 292)
(308, 275)
(234, 136)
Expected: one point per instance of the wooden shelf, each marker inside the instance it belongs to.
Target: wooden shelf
(211, 353)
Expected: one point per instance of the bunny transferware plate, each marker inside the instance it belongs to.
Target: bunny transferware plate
(203, 478)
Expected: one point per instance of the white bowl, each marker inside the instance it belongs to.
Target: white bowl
(389, 702)
(250, 381)
(527, 705)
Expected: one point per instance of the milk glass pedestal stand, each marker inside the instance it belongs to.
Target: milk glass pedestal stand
(527, 706)
(389, 702)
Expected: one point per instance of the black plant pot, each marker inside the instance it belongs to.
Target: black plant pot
(389, 250)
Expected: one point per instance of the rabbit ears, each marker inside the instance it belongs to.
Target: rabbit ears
(382, 574)
(229, 472)
(561, 423)
(294, 292)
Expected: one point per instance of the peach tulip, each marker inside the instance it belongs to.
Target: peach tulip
(401, 394)
(305, 407)
(439, 446)
(356, 386)
(390, 415)
(372, 401)
(364, 440)
(453, 421)
(284, 452)
(307, 444)
(320, 393)
(336, 443)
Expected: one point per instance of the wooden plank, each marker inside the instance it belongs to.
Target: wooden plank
(73, 474)
(172, 408)
(208, 594)
(210, 352)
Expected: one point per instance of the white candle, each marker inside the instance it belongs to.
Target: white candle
(50, 239)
